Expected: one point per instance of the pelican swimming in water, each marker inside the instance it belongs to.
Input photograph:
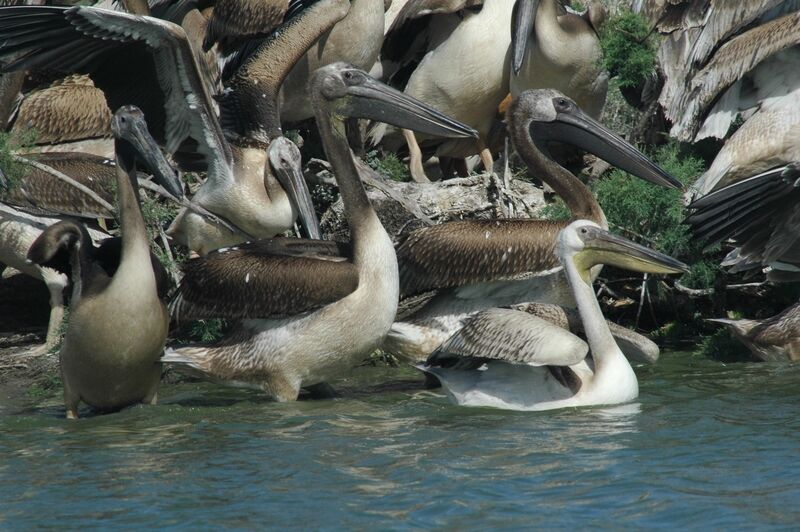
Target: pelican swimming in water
(452, 270)
(508, 359)
(118, 318)
(311, 309)
(151, 63)
(772, 339)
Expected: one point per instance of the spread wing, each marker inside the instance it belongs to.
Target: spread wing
(135, 60)
(474, 251)
(760, 214)
(273, 278)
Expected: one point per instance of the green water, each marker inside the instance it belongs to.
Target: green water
(706, 445)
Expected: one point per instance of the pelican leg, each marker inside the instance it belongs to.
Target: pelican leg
(486, 158)
(461, 167)
(71, 399)
(281, 388)
(323, 390)
(415, 158)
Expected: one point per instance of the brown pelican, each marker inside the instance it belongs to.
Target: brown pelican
(771, 340)
(555, 49)
(118, 321)
(259, 200)
(760, 216)
(449, 271)
(459, 55)
(321, 309)
(356, 39)
(512, 360)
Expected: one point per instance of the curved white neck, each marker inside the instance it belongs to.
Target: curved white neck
(614, 379)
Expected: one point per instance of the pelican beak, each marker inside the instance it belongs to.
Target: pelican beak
(522, 23)
(284, 157)
(134, 142)
(576, 128)
(371, 99)
(601, 247)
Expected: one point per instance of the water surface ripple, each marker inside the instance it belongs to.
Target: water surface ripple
(707, 444)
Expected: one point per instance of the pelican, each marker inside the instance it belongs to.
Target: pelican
(771, 340)
(460, 61)
(255, 198)
(760, 216)
(118, 320)
(355, 39)
(321, 308)
(511, 360)
(450, 271)
(558, 50)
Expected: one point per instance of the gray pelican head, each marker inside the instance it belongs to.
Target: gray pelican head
(549, 116)
(133, 143)
(348, 92)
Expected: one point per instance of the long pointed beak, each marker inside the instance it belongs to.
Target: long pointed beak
(522, 24)
(375, 101)
(601, 247)
(579, 129)
(285, 159)
(150, 154)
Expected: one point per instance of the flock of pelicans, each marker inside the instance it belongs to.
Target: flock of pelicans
(485, 306)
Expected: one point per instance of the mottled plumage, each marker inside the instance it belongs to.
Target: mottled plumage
(234, 21)
(272, 278)
(72, 109)
(466, 252)
(772, 339)
(40, 192)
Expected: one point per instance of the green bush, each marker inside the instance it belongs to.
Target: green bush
(389, 165)
(628, 51)
(11, 169)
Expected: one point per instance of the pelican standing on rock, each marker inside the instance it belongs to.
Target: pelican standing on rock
(321, 311)
(118, 320)
(450, 271)
(511, 360)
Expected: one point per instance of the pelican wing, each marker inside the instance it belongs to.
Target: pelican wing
(735, 59)
(135, 60)
(760, 214)
(419, 8)
(233, 21)
(515, 337)
(273, 278)
(40, 192)
(475, 251)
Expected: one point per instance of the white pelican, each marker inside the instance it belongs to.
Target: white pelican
(512, 360)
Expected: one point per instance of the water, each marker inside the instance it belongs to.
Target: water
(706, 445)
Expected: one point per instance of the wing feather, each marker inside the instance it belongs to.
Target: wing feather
(273, 278)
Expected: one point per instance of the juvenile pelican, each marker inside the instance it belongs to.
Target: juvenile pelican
(449, 271)
(118, 320)
(512, 360)
(320, 311)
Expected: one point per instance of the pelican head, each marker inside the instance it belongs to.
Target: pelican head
(549, 116)
(347, 92)
(133, 143)
(285, 159)
(587, 245)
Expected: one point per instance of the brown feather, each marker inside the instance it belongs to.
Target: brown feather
(40, 192)
(72, 109)
(460, 253)
(267, 279)
(239, 20)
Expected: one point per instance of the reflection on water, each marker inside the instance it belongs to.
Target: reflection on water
(706, 444)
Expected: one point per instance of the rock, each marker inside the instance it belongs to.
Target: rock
(403, 207)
